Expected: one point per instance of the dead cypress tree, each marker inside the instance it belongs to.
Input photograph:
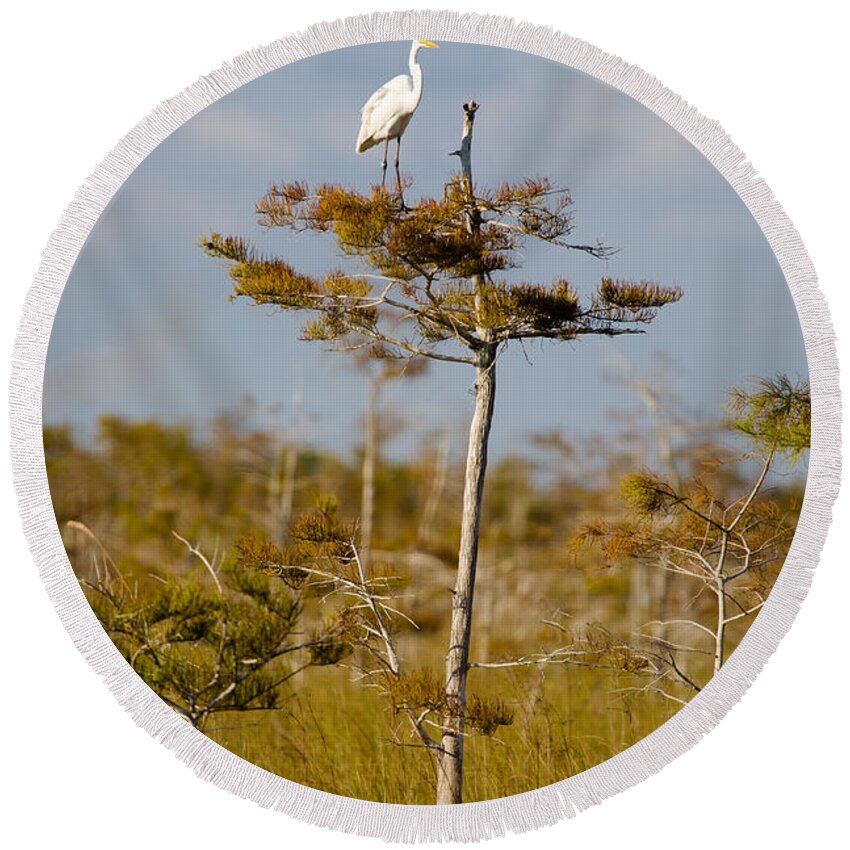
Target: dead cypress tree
(432, 285)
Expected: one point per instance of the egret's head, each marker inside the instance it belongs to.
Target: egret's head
(423, 42)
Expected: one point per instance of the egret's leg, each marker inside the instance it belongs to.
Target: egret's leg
(398, 175)
(384, 163)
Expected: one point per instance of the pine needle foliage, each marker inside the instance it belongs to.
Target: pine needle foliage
(324, 559)
(206, 650)
(421, 694)
(776, 416)
(647, 493)
(726, 549)
(427, 278)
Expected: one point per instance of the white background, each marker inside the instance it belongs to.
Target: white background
(77, 76)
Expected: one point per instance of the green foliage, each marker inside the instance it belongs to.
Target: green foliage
(58, 442)
(327, 651)
(647, 493)
(207, 650)
(776, 417)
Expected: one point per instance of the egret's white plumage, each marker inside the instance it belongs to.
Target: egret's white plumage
(388, 111)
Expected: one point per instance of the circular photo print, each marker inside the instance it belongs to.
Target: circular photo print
(426, 423)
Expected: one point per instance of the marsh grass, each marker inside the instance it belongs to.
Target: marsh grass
(335, 735)
(329, 731)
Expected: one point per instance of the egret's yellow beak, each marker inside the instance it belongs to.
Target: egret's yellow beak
(427, 43)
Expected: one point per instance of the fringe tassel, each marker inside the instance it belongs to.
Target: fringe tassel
(471, 821)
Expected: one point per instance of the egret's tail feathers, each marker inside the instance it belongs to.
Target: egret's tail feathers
(365, 142)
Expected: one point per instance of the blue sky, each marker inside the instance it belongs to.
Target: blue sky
(145, 328)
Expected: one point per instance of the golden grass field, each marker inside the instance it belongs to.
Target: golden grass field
(139, 482)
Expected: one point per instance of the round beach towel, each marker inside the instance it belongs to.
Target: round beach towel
(426, 441)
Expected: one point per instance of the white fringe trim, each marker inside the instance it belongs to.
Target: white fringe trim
(471, 821)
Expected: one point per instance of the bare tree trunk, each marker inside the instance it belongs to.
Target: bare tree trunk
(662, 595)
(720, 592)
(287, 495)
(720, 634)
(450, 773)
(370, 460)
(435, 495)
(450, 765)
(283, 476)
(651, 590)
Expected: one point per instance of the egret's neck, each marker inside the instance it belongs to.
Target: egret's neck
(415, 70)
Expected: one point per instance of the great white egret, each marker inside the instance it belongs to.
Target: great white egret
(387, 113)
